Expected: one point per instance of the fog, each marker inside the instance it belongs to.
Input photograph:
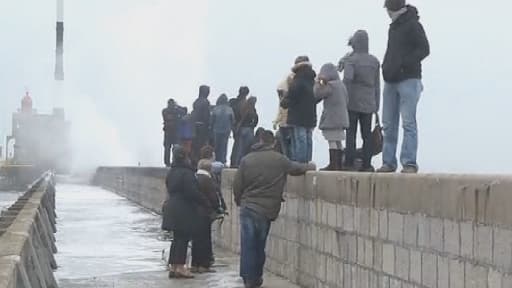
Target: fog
(125, 58)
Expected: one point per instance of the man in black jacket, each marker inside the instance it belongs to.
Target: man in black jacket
(201, 116)
(172, 116)
(301, 105)
(407, 47)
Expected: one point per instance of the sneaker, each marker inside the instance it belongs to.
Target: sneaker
(410, 169)
(386, 169)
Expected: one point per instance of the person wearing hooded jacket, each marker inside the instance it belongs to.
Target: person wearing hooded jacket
(201, 117)
(237, 104)
(407, 47)
(301, 104)
(222, 121)
(362, 78)
(334, 120)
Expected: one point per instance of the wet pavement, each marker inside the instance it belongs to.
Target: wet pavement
(107, 241)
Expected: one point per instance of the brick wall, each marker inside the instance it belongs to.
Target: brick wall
(366, 231)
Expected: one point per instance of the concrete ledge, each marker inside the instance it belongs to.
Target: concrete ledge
(27, 243)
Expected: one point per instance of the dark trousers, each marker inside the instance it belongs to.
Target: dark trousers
(285, 140)
(201, 139)
(221, 147)
(202, 248)
(234, 151)
(179, 247)
(169, 142)
(365, 122)
(167, 155)
(253, 237)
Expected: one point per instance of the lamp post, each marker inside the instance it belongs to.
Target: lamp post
(59, 52)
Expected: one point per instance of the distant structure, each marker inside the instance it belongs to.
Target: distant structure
(59, 51)
(39, 140)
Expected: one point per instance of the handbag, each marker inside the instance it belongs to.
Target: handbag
(377, 137)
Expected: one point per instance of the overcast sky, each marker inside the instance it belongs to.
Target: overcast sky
(124, 58)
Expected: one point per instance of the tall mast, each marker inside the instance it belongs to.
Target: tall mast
(59, 52)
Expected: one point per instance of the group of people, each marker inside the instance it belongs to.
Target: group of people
(209, 125)
(264, 160)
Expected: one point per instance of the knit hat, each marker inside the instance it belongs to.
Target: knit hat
(301, 59)
(394, 5)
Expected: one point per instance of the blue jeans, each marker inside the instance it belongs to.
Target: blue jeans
(245, 142)
(254, 231)
(221, 146)
(400, 101)
(301, 144)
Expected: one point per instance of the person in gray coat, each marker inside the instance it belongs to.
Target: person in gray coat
(362, 79)
(335, 118)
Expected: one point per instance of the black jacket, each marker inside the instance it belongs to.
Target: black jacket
(301, 101)
(185, 207)
(407, 47)
(201, 112)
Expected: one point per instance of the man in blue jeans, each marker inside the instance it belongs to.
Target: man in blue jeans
(408, 46)
(258, 189)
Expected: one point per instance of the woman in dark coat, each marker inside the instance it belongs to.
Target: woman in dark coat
(184, 211)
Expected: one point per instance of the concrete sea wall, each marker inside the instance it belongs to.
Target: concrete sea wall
(371, 230)
(27, 242)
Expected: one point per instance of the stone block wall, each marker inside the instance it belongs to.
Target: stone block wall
(371, 230)
(388, 231)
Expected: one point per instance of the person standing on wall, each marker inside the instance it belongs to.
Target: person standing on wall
(281, 122)
(172, 116)
(201, 116)
(222, 121)
(362, 78)
(248, 122)
(408, 46)
(258, 190)
(301, 105)
(334, 121)
(237, 104)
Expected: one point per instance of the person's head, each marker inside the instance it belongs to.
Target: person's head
(329, 72)
(267, 138)
(252, 101)
(258, 134)
(301, 59)
(179, 155)
(204, 91)
(394, 5)
(359, 41)
(243, 92)
(222, 100)
(204, 164)
(207, 152)
(171, 102)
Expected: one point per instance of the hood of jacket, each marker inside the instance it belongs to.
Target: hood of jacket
(411, 15)
(260, 147)
(329, 72)
(360, 42)
(304, 71)
(204, 91)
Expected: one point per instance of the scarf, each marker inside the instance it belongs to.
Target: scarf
(203, 172)
(394, 15)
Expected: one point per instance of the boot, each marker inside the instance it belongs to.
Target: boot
(332, 161)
